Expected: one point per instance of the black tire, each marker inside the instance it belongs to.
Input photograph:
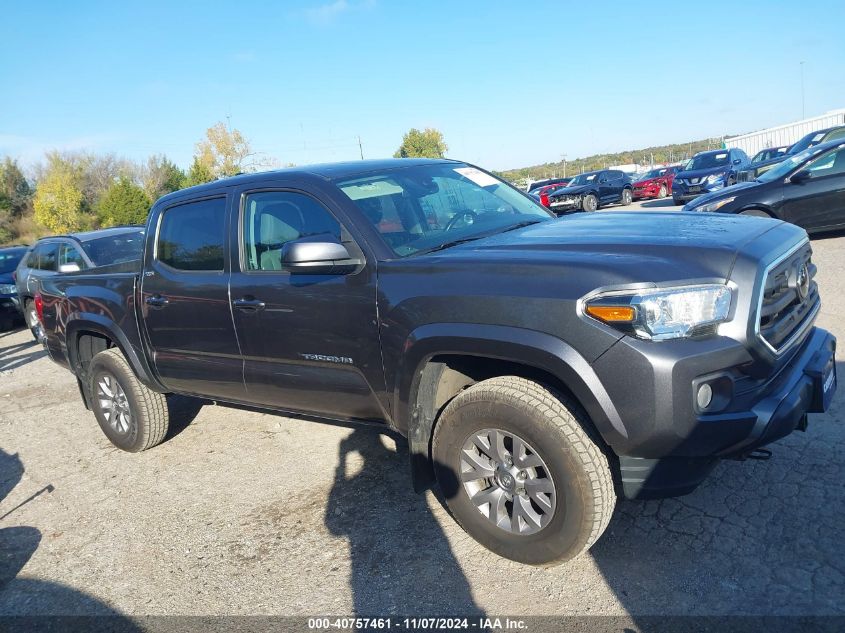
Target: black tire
(147, 420)
(589, 203)
(557, 429)
(663, 192)
(627, 197)
(755, 213)
(30, 317)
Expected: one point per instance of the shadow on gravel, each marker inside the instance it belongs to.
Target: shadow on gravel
(756, 538)
(23, 597)
(182, 410)
(12, 357)
(373, 509)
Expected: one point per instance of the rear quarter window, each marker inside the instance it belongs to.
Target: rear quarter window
(191, 236)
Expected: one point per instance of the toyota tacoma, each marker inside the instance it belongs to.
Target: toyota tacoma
(539, 367)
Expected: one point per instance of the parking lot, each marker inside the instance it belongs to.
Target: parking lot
(241, 512)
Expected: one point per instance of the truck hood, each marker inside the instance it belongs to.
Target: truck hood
(6, 278)
(621, 247)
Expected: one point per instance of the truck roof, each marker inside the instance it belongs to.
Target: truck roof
(329, 171)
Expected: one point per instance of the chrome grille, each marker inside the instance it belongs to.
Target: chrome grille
(790, 299)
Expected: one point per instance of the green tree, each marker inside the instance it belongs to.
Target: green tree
(198, 174)
(426, 144)
(15, 191)
(59, 200)
(123, 202)
(161, 176)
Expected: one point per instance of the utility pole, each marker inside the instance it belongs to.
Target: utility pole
(803, 116)
(360, 147)
(563, 156)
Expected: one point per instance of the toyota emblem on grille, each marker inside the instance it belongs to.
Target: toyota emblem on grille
(802, 281)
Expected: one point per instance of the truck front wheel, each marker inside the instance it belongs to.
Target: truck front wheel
(520, 473)
(132, 416)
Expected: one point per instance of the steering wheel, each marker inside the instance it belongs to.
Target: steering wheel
(469, 218)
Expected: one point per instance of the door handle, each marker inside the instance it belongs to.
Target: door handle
(249, 305)
(156, 301)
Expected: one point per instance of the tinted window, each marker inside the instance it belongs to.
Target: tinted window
(9, 259)
(271, 219)
(191, 235)
(68, 254)
(114, 249)
(47, 255)
(708, 161)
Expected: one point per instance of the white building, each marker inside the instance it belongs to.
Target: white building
(785, 134)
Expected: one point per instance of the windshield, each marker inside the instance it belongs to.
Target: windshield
(115, 249)
(813, 138)
(427, 207)
(9, 259)
(782, 169)
(654, 173)
(707, 161)
(583, 179)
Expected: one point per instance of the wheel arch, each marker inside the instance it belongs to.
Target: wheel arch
(441, 360)
(80, 349)
(758, 206)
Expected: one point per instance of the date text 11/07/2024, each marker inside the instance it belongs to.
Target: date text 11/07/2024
(415, 624)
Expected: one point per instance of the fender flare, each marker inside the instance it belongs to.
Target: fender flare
(88, 322)
(533, 349)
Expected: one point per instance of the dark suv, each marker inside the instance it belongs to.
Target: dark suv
(706, 172)
(588, 192)
(73, 253)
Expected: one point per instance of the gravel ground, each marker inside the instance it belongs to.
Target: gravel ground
(240, 512)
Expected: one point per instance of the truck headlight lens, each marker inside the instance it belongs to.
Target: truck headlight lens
(714, 206)
(663, 313)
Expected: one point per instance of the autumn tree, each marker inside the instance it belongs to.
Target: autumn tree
(59, 199)
(223, 153)
(123, 202)
(426, 144)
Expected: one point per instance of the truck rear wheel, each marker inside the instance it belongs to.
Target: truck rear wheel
(520, 473)
(132, 416)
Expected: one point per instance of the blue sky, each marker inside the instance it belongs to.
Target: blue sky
(509, 84)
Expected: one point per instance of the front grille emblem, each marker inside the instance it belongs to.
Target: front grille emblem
(802, 281)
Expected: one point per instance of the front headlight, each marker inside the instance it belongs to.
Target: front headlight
(8, 289)
(715, 205)
(663, 313)
(714, 178)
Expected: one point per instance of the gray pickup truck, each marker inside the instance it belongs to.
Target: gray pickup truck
(539, 367)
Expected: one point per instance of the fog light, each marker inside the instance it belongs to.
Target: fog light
(704, 396)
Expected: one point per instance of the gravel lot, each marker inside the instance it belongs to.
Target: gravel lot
(243, 513)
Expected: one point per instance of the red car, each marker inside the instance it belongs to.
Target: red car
(542, 193)
(655, 184)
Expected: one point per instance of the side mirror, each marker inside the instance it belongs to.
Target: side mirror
(800, 176)
(69, 268)
(318, 258)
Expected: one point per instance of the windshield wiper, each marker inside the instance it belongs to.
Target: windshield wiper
(446, 245)
(519, 225)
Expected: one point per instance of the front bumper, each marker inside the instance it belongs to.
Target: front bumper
(671, 444)
(652, 191)
(691, 192)
(563, 206)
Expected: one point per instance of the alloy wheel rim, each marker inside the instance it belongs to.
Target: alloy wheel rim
(113, 403)
(507, 481)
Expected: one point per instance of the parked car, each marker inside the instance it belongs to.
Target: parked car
(541, 194)
(10, 306)
(535, 364)
(73, 253)
(590, 191)
(656, 183)
(768, 154)
(810, 140)
(806, 189)
(537, 184)
(706, 172)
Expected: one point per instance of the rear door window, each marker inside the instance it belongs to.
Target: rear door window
(191, 236)
(48, 255)
(69, 254)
